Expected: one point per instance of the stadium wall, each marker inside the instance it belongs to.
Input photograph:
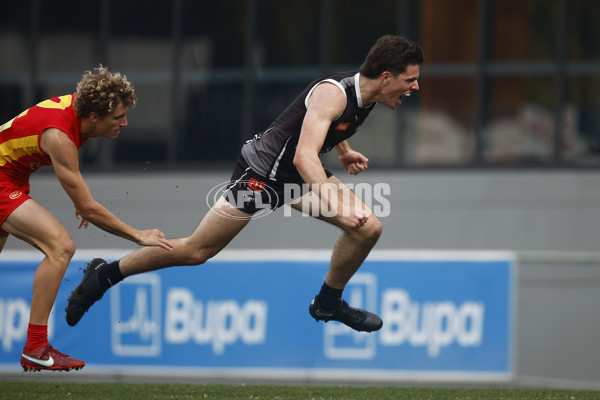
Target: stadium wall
(455, 210)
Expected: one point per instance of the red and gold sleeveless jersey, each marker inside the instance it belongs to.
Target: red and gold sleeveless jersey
(20, 151)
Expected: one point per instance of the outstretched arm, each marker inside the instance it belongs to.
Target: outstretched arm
(63, 153)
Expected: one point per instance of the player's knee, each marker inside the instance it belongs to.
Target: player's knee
(195, 258)
(372, 230)
(63, 249)
(195, 252)
(199, 256)
(68, 249)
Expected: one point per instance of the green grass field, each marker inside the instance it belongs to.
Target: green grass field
(117, 391)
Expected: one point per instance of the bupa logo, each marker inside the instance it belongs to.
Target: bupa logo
(432, 326)
(135, 309)
(214, 323)
(136, 319)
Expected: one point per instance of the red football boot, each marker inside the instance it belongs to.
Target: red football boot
(47, 357)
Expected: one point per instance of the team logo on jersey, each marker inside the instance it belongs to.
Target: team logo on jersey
(35, 165)
(342, 126)
(256, 185)
(15, 195)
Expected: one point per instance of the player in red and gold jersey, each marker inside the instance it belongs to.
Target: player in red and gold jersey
(51, 133)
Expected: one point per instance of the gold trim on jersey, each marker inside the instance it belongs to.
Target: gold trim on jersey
(13, 149)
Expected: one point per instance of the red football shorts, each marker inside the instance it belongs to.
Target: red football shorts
(11, 197)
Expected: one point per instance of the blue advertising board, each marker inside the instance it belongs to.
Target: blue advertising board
(447, 315)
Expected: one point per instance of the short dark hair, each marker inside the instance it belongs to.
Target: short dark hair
(391, 53)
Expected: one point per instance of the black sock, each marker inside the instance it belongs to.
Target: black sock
(110, 275)
(329, 298)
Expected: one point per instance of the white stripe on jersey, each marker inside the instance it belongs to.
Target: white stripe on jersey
(276, 165)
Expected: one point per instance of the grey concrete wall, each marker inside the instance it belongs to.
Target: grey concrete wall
(558, 320)
(521, 211)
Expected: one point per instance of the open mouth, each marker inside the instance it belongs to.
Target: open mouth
(401, 96)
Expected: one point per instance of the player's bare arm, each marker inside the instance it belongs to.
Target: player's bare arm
(63, 153)
(325, 105)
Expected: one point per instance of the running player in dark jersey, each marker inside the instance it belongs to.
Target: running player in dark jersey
(320, 119)
(51, 133)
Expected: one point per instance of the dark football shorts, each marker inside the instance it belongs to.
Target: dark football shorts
(251, 192)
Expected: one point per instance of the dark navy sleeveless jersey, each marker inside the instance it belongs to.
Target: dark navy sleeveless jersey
(271, 153)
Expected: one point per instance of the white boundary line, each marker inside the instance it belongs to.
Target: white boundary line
(294, 374)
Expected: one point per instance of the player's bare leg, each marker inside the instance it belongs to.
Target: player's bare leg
(354, 245)
(218, 227)
(33, 224)
(350, 251)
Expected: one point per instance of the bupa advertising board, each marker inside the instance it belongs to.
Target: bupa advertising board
(447, 316)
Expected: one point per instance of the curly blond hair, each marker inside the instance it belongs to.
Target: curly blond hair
(101, 91)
